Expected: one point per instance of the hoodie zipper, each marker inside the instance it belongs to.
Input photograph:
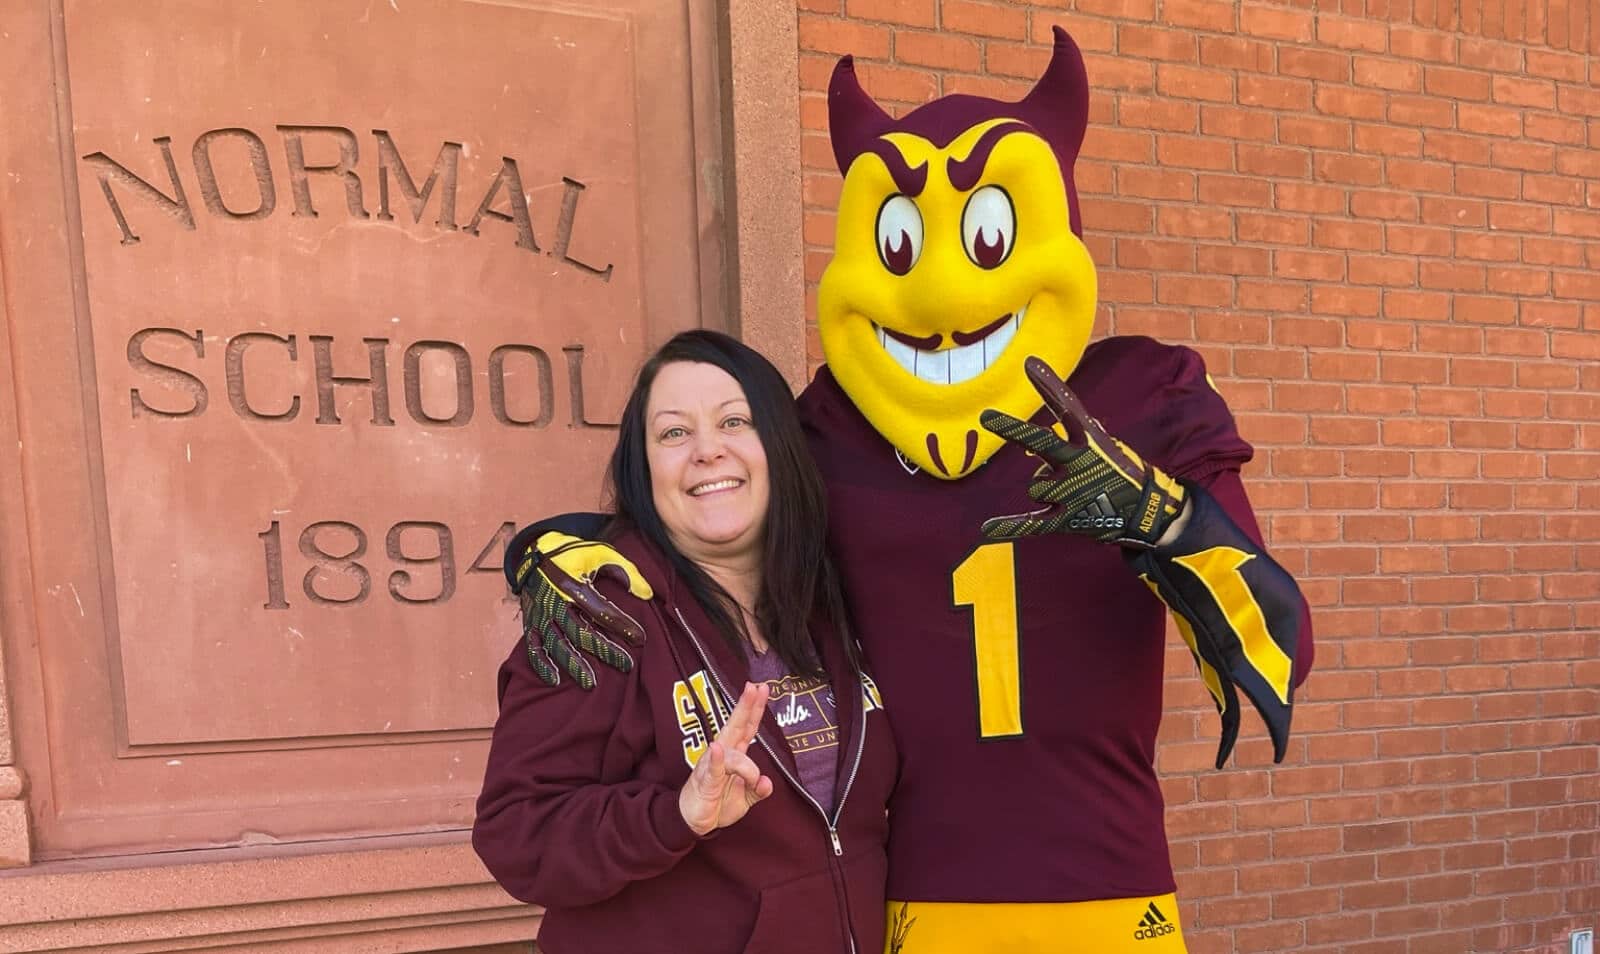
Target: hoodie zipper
(855, 767)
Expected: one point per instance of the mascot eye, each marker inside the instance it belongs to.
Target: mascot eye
(899, 234)
(989, 227)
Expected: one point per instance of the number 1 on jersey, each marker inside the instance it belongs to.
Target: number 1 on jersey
(987, 581)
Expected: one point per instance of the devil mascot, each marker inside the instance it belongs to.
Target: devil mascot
(1019, 657)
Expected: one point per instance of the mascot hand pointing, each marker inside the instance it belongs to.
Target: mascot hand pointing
(1091, 482)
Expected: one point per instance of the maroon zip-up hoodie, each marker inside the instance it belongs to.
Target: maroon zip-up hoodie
(579, 809)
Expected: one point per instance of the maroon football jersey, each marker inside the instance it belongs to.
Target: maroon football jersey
(1028, 777)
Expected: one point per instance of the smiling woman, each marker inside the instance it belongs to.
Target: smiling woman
(707, 410)
(708, 471)
(596, 803)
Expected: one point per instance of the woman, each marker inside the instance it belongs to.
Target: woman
(601, 805)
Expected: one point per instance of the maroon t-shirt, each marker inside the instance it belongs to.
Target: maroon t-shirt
(1070, 808)
(806, 712)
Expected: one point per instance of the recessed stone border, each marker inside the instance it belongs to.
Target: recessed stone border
(419, 892)
(761, 57)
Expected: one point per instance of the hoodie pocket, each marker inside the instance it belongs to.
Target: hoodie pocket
(799, 915)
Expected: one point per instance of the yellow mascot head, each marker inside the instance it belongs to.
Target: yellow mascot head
(957, 256)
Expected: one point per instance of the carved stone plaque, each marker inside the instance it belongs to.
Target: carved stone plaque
(360, 286)
(339, 348)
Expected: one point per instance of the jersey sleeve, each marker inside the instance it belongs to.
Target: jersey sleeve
(1188, 429)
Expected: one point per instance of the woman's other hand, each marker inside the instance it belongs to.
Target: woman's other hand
(726, 782)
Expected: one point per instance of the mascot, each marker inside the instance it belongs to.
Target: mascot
(1019, 656)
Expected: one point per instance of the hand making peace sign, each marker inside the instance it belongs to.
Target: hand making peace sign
(726, 782)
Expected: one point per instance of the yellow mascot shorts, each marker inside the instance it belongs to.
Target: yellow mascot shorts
(1117, 926)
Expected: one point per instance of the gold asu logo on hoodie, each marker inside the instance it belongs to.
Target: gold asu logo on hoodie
(689, 699)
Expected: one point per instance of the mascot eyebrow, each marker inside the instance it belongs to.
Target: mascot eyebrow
(908, 180)
(965, 173)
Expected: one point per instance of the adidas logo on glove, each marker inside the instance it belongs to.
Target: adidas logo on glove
(1099, 515)
(1154, 924)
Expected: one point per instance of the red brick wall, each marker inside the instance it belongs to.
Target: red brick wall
(1380, 223)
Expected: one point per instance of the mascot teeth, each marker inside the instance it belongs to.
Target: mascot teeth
(952, 365)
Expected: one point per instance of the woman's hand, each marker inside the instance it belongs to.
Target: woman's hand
(726, 782)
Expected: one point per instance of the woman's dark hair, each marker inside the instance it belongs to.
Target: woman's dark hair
(798, 579)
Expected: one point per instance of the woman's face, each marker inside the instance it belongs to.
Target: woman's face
(708, 469)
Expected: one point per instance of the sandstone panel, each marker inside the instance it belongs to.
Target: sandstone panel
(359, 287)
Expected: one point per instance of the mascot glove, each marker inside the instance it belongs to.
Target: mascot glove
(1090, 482)
(564, 616)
